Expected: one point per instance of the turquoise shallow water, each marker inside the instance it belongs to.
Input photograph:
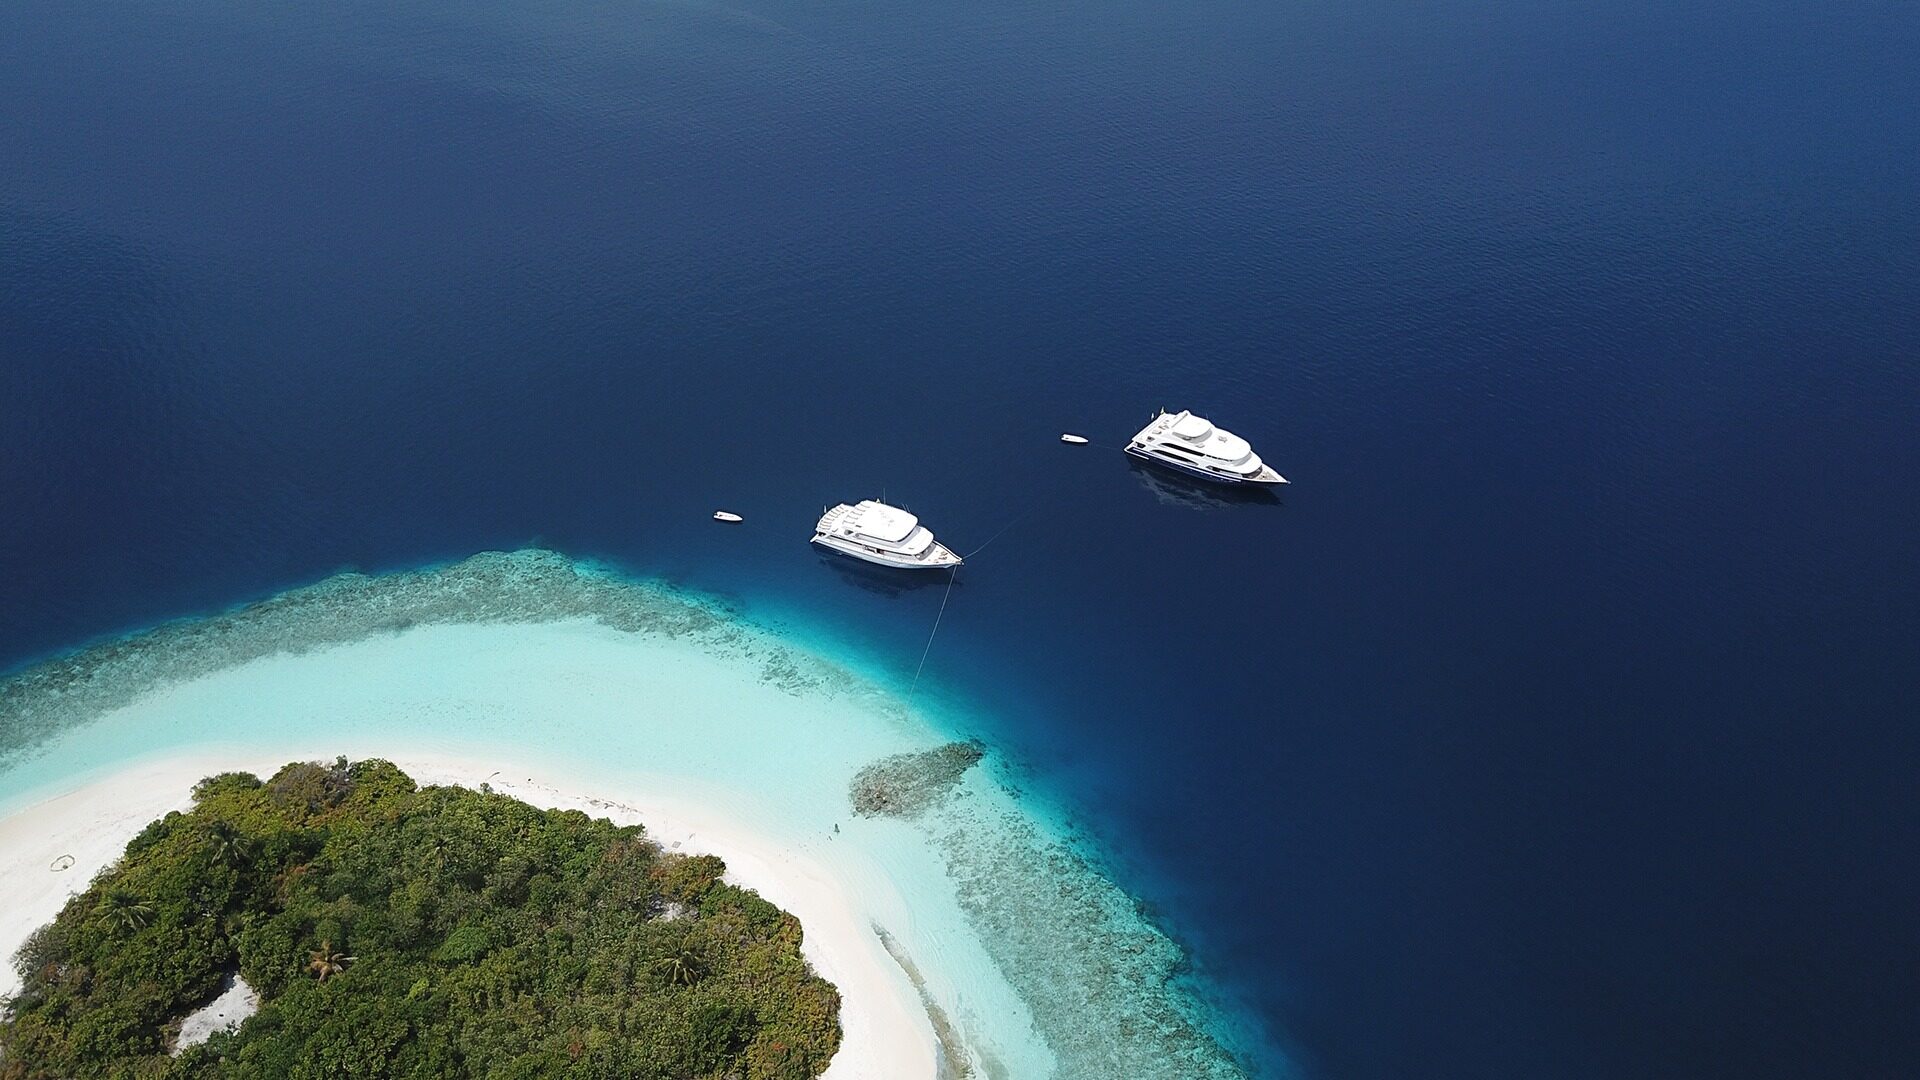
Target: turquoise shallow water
(1044, 966)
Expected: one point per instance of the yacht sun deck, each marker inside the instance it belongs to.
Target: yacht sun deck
(882, 534)
(1194, 446)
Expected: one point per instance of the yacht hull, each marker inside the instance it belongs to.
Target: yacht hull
(939, 558)
(1266, 477)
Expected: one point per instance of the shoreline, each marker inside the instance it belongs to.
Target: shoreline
(637, 701)
(886, 1033)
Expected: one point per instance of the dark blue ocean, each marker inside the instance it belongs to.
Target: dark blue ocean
(1560, 719)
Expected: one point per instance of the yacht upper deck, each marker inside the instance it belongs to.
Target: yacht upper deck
(877, 524)
(1196, 433)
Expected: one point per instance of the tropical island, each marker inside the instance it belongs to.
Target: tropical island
(966, 926)
(390, 929)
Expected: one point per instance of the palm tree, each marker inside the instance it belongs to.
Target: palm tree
(325, 963)
(229, 847)
(683, 967)
(439, 845)
(125, 910)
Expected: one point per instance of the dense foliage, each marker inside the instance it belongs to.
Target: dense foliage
(398, 931)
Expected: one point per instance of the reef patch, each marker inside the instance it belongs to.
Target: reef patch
(905, 785)
(39, 702)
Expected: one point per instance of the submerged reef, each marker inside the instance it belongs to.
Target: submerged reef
(1102, 985)
(904, 785)
(1098, 976)
(38, 702)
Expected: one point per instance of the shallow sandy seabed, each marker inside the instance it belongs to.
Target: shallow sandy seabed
(567, 686)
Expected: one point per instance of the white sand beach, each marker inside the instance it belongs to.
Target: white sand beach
(52, 849)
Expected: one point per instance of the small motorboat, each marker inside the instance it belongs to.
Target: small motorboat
(722, 515)
(1077, 440)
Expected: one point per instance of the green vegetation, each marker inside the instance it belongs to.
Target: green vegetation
(398, 931)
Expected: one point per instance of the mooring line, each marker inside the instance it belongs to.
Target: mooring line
(996, 536)
(951, 575)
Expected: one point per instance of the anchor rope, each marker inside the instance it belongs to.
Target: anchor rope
(1017, 519)
(951, 576)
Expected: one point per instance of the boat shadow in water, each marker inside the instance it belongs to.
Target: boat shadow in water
(883, 580)
(1176, 489)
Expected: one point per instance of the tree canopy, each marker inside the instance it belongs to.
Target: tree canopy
(398, 931)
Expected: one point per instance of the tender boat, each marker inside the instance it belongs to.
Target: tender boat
(882, 534)
(1194, 446)
(1077, 440)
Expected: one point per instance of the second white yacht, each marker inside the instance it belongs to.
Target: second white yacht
(1194, 446)
(882, 534)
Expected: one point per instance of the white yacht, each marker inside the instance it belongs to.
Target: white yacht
(882, 534)
(1189, 443)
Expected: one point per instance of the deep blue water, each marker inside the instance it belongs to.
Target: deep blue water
(1559, 721)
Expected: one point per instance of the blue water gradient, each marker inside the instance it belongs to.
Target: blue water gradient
(989, 897)
(1558, 721)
